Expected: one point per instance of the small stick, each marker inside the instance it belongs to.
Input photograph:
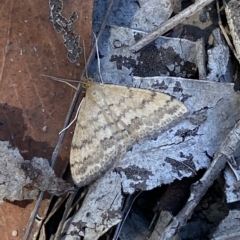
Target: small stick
(227, 148)
(168, 25)
(69, 114)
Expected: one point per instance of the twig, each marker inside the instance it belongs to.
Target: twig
(68, 117)
(171, 23)
(227, 148)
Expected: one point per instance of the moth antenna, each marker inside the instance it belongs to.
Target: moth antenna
(85, 61)
(98, 58)
(86, 83)
(75, 118)
(63, 80)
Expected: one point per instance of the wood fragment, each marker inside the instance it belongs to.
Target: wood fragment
(164, 219)
(171, 23)
(201, 59)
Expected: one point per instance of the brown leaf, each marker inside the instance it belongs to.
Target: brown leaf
(33, 108)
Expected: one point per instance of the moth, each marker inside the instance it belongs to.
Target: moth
(111, 119)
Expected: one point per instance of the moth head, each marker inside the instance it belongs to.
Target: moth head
(87, 82)
(94, 90)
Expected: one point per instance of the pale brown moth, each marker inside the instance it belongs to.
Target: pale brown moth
(111, 119)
